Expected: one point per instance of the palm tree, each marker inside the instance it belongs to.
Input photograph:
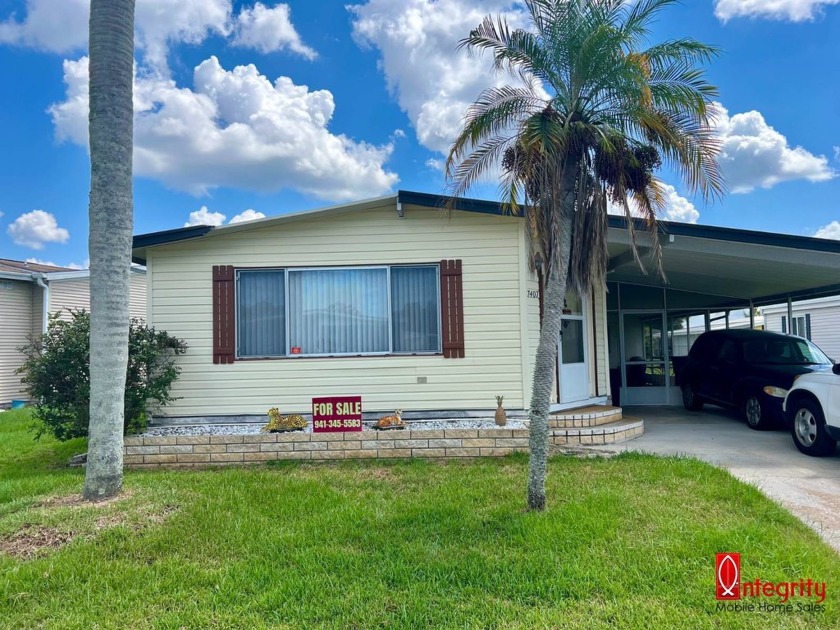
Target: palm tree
(594, 112)
(111, 128)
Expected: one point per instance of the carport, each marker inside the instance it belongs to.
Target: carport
(714, 278)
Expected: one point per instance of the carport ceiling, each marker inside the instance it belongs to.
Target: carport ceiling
(739, 264)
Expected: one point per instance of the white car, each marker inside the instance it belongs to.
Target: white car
(812, 407)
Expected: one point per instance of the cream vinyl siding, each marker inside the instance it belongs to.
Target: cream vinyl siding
(489, 246)
(137, 299)
(74, 293)
(67, 295)
(15, 328)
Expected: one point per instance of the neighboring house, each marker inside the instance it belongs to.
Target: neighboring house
(28, 293)
(694, 327)
(432, 312)
(817, 320)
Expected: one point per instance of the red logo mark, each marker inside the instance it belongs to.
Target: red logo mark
(728, 576)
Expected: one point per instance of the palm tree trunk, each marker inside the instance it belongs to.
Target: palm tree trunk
(111, 128)
(554, 294)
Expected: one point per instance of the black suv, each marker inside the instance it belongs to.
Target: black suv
(750, 370)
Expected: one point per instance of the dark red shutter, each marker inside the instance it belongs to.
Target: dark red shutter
(452, 309)
(224, 314)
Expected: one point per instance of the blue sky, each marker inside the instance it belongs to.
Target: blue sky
(247, 109)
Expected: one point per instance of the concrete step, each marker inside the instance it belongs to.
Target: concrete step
(612, 433)
(591, 416)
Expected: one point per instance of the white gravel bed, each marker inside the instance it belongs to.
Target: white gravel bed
(251, 428)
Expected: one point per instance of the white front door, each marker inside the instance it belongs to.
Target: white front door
(572, 357)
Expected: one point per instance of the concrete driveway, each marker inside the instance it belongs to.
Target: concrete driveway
(807, 486)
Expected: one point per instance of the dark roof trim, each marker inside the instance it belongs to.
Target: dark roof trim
(735, 235)
(170, 236)
(426, 200)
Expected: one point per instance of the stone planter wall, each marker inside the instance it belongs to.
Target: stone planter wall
(211, 450)
(218, 450)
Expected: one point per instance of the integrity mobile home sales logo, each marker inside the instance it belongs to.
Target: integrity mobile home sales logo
(772, 596)
(728, 576)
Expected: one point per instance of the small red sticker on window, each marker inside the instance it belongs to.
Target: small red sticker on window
(295, 349)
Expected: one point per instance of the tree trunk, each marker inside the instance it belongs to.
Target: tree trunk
(111, 128)
(554, 294)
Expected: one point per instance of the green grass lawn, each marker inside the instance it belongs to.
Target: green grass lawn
(627, 542)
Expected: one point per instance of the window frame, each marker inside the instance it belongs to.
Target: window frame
(798, 330)
(286, 271)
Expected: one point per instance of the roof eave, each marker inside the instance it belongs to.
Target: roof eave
(10, 275)
(142, 241)
(736, 235)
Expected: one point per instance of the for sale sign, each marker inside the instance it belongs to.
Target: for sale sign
(332, 414)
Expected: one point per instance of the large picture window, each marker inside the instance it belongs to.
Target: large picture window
(338, 311)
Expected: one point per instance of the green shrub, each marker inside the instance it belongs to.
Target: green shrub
(57, 375)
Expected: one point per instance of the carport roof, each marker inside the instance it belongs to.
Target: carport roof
(734, 266)
(741, 265)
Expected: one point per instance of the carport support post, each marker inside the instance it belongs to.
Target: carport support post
(790, 316)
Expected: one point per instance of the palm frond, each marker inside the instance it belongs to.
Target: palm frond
(618, 108)
(685, 50)
(496, 110)
(463, 175)
(636, 24)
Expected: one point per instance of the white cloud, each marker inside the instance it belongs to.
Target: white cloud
(755, 155)
(61, 26)
(677, 207)
(793, 10)
(435, 164)
(203, 216)
(417, 39)
(235, 128)
(51, 25)
(70, 265)
(247, 215)
(35, 228)
(161, 23)
(832, 230)
(268, 30)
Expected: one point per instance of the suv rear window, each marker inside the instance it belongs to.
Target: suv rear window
(705, 348)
